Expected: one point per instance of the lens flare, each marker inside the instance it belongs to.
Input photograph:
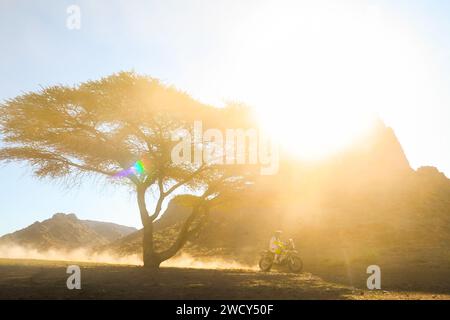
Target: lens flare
(137, 169)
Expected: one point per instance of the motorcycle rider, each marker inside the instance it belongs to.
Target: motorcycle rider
(276, 246)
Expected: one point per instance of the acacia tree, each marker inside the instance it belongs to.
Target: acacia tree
(120, 127)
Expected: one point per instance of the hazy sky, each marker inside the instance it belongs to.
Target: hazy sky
(331, 61)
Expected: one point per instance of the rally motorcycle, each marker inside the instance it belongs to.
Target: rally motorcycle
(289, 257)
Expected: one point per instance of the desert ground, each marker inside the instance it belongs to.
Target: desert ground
(38, 279)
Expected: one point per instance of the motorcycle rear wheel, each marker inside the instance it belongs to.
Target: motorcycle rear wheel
(265, 263)
(295, 264)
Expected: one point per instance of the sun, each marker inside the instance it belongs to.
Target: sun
(317, 133)
(318, 73)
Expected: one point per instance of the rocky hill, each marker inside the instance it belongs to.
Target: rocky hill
(66, 231)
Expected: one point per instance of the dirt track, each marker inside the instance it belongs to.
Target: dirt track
(27, 279)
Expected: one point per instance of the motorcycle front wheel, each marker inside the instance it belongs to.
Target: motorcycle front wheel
(265, 264)
(295, 264)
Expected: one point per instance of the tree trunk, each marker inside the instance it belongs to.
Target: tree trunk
(150, 257)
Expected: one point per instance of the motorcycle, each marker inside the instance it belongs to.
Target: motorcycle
(289, 257)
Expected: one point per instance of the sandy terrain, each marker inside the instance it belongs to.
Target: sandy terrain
(34, 279)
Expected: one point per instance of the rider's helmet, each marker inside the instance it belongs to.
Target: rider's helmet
(291, 243)
(278, 233)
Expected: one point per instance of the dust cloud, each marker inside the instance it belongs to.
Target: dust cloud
(185, 260)
(182, 260)
(81, 255)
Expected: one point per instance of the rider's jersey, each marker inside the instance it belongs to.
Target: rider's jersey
(276, 245)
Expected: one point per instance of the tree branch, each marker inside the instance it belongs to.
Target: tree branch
(183, 236)
(161, 198)
(186, 180)
(145, 219)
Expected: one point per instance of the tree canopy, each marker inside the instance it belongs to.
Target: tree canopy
(107, 126)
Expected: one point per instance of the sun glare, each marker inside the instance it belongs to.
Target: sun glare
(319, 74)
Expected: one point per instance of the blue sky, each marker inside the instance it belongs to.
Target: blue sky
(203, 47)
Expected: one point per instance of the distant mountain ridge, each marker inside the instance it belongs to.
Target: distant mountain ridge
(66, 231)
